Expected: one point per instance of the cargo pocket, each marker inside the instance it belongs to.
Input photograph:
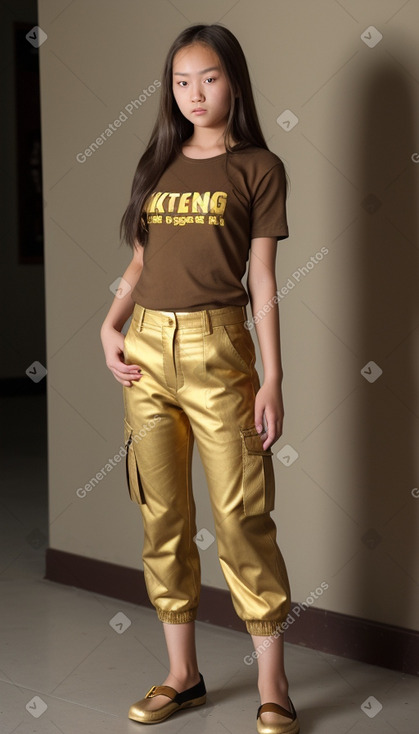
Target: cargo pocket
(135, 487)
(258, 474)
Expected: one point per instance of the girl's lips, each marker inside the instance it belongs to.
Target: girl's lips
(198, 112)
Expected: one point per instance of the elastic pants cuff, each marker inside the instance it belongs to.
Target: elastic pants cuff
(262, 627)
(176, 617)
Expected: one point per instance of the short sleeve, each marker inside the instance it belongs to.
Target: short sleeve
(268, 212)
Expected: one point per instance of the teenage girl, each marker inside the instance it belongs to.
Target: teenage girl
(207, 196)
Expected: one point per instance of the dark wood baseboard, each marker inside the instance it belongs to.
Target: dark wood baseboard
(339, 634)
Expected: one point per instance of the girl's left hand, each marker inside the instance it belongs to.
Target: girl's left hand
(269, 406)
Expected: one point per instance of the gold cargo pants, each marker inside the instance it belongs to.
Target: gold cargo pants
(199, 383)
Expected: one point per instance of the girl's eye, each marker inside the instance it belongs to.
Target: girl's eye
(210, 79)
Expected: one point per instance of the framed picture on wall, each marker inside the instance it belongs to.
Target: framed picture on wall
(28, 148)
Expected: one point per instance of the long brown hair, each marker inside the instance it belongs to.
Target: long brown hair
(171, 128)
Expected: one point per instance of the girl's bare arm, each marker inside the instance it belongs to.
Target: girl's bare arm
(110, 333)
(262, 288)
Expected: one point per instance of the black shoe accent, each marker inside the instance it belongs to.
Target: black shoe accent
(196, 691)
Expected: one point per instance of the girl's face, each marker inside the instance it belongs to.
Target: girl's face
(200, 86)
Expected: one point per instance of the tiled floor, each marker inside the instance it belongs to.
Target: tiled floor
(64, 667)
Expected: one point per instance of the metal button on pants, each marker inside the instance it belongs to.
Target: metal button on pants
(199, 384)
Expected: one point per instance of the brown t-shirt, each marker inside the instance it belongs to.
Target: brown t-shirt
(200, 228)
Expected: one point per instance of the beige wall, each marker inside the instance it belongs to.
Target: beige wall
(345, 509)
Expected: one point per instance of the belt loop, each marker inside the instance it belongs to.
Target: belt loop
(141, 311)
(206, 323)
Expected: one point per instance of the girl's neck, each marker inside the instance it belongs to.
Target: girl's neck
(204, 146)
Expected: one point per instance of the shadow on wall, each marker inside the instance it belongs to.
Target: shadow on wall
(387, 308)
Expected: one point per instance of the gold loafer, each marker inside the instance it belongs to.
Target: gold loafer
(194, 696)
(289, 727)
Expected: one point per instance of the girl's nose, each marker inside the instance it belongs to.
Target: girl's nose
(197, 95)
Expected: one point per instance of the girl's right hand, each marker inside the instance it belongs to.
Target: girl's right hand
(113, 346)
